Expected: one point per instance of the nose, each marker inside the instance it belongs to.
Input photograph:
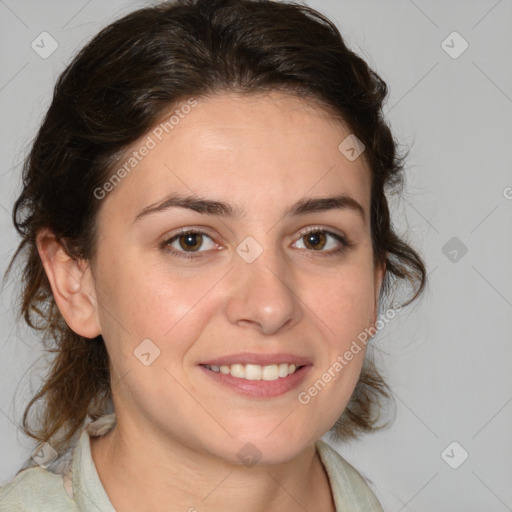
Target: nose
(262, 294)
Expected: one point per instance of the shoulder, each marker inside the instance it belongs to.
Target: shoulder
(350, 490)
(35, 489)
(69, 483)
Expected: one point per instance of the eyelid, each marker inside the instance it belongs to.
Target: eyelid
(182, 231)
(314, 229)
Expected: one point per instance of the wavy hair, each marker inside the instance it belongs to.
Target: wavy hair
(114, 91)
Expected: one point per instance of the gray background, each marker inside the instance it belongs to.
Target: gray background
(448, 356)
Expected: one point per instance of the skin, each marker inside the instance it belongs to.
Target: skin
(178, 432)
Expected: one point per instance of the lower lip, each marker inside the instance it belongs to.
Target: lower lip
(260, 388)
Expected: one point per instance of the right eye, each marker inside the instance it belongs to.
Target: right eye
(187, 241)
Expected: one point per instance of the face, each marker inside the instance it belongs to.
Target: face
(265, 279)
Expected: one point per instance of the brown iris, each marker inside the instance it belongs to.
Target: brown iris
(190, 241)
(314, 238)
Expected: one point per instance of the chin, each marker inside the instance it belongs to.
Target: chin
(267, 447)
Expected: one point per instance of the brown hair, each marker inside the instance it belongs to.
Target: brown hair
(115, 90)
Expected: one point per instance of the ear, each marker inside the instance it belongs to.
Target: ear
(72, 285)
(380, 271)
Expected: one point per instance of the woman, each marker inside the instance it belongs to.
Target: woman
(208, 248)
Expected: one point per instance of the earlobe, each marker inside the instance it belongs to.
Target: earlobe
(72, 285)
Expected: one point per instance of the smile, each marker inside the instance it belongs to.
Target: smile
(256, 371)
(258, 381)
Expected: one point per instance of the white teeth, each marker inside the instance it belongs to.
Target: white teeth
(270, 372)
(253, 372)
(256, 371)
(238, 370)
(283, 370)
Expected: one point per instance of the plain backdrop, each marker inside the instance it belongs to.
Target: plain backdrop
(448, 356)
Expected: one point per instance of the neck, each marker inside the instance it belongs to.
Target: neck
(138, 474)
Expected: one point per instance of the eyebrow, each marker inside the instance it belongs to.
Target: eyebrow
(224, 209)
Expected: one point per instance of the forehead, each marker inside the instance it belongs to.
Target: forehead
(259, 151)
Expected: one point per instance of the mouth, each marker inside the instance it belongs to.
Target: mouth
(257, 381)
(256, 372)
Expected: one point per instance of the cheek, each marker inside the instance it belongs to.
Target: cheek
(153, 303)
(341, 310)
(343, 302)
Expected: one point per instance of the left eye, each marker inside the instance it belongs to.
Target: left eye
(318, 239)
(189, 241)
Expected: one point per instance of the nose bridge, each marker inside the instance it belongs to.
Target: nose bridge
(261, 291)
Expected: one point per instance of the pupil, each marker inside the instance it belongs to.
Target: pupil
(315, 238)
(191, 241)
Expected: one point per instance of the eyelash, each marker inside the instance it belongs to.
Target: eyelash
(345, 243)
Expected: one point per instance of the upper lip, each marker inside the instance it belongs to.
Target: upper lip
(260, 359)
